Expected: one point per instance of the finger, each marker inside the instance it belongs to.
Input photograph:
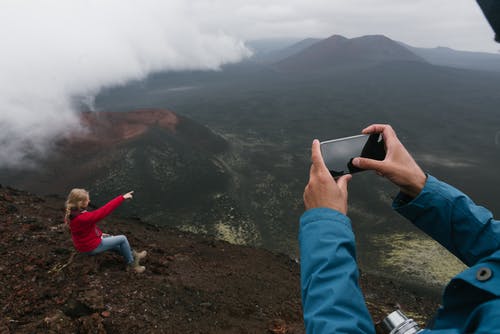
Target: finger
(316, 157)
(369, 164)
(374, 128)
(132, 192)
(387, 131)
(343, 182)
(389, 135)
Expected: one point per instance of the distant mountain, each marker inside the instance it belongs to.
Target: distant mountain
(280, 54)
(443, 56)
(343, 53)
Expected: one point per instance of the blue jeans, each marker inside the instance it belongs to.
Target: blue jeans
(118, 243)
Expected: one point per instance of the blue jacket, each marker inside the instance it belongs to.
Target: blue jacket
(332, 300)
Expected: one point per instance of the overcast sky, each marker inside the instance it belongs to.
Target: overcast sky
(56, 51)
(459, 24)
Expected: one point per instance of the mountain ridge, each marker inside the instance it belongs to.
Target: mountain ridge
(445, 56)
(340, 52)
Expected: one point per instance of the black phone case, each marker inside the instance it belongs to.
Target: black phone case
(373, 149)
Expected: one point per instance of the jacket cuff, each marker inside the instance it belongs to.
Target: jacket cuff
(410, 207)
(324, 214)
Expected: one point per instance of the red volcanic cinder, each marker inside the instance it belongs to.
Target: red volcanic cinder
(113, 127)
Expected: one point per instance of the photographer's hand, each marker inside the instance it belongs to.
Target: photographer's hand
(322, 191)
(398, 165)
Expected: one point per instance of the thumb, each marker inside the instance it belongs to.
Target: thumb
(316, 157)
(343, 181)
(369, 164)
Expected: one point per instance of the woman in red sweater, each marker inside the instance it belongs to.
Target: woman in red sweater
(88, 238)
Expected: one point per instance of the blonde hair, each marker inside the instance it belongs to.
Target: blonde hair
(76, 199)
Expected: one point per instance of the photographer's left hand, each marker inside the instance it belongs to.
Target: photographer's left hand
(323, 191)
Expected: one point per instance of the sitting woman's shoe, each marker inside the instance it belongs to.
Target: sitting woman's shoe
(139, 255)
(136, 268)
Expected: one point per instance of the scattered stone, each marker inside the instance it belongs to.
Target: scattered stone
(277, 326)
(92, 324)
(93, 299)
(51, 319)
(29, 268)
(57, 322)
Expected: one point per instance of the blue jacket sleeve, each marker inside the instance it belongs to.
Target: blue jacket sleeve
(451, 218)
(331, 297)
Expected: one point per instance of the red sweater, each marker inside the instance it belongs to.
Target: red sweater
(84, 232)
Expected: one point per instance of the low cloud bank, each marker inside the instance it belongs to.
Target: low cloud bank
(56, 53)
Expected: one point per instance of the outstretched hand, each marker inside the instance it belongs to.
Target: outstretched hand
(129, 195)
(322, 191)
(398, 166)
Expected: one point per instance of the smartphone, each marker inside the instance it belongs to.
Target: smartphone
(339, 153)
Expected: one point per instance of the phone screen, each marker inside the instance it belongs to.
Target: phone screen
(338, 153)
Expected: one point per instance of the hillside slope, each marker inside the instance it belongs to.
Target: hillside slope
(192, 284)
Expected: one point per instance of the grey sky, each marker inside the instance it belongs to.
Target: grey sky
(459, 24)
(55, 50)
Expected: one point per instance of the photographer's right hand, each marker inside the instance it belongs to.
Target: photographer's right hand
(398, 166)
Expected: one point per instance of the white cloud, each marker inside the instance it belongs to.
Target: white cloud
(53, 51)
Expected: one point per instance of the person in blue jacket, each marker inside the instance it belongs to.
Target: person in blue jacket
(331, 298)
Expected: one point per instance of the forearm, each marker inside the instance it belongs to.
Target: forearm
(331, 298)
(451, 218)
(105, 210)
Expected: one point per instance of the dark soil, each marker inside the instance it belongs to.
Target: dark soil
(192, 284)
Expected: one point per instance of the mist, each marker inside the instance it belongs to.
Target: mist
(57, 55)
